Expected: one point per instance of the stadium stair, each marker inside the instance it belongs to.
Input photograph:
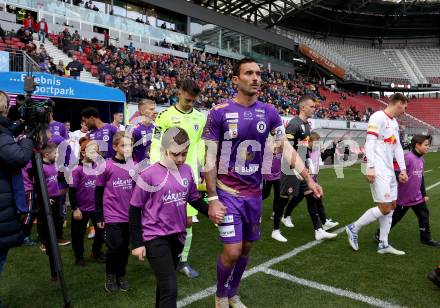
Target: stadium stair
(58, 55)
(411, 74)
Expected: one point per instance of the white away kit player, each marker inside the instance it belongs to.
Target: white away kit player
(381, 147)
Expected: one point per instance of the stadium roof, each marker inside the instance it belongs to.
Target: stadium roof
(353, 18)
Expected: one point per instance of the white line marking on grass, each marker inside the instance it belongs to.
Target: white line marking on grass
(262, 267)
(432, 186)
(427, 171)
(322, 287)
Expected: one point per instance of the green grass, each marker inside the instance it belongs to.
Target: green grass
(396, 279)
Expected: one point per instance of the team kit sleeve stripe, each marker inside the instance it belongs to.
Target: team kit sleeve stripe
(373, 133)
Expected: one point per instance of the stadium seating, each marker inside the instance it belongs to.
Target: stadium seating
(428, 61)
(213, 75)
(426, 109)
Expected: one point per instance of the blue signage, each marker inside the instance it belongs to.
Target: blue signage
(55, 86)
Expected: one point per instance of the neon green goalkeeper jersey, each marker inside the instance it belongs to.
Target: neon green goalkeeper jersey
(193, 123)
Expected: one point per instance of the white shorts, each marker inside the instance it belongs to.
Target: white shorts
(384, 189)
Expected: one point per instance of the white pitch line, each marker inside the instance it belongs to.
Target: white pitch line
(211, 290)
(432, 186)
(329, 289)
(262, 267)
(427, 171)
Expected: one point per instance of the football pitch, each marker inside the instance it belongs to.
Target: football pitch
(300, 273)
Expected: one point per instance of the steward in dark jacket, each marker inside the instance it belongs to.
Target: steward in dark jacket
(13, 157)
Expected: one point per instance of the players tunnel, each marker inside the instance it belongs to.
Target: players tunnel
(70, 96)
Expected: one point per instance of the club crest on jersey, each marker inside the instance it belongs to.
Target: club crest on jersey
(196, 127)
(185, 182)
(261, 127)
(106, 138)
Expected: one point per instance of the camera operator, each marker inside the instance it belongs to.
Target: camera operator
(13, 156)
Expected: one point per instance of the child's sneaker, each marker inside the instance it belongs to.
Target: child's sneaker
(98, 256)
(29, 242)
(111, 285)
(80, 261)
(123, 284)
(434, 276)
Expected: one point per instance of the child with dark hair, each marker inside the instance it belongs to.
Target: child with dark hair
(313, 163)
(53, 183)
(28, 219)
(82, 202)
(271, 178)
(412, 194)
(158, 219)
(114, 187)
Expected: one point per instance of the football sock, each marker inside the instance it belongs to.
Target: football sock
(369, 216)
(385, 227)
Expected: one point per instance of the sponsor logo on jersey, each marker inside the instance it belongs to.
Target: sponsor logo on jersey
(174, 197)
(390, 140)
(248, 115)
(90, 184)
(260, 110)
(233, 130)
(231, 115)
(226, 231)
(228, 219)
(175, 120)
(122, 183)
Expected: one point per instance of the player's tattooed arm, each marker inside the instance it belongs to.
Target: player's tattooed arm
(216, 209)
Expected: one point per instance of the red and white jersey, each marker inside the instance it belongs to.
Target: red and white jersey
(381, 152)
